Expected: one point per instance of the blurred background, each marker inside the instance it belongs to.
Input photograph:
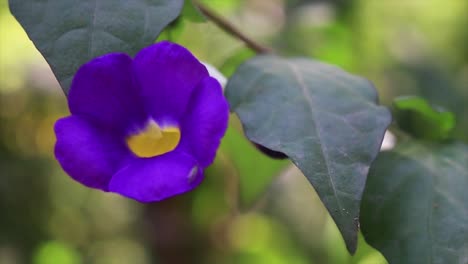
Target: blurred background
(250, 208)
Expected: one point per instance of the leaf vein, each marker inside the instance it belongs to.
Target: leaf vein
(323, 149)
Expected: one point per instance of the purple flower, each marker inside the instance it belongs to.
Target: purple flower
(144, 128)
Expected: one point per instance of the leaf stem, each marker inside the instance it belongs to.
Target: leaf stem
(231, 29)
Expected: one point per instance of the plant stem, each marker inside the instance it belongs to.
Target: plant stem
(231, 29)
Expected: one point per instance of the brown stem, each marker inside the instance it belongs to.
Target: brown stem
(231, 29)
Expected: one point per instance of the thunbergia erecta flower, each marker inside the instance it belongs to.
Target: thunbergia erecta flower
(145, 128)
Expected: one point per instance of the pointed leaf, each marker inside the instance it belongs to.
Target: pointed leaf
(324, 119)
(417, 117)
(415, 206)
(69, 33)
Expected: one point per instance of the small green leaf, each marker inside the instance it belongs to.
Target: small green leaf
(415, 205)
(69, 33)
(415, 116)
(324, 119)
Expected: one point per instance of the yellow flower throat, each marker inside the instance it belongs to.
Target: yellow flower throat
(154, 140)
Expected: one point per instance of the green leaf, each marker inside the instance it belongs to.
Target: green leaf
(415, 116)
(415, 205)
(324, 119)
(69, 33)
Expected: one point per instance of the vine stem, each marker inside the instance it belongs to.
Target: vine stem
(231, 29)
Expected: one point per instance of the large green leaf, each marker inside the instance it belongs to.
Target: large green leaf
(69, 33)
(324, 119)
(415, 206)
(418, 118)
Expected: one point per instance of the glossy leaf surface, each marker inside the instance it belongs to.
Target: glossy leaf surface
(415, 206)
(69, 33)
(324, 119)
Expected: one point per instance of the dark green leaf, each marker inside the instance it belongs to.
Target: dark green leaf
(415, 116)
(69, 33)
(415, 205)
(324, 119)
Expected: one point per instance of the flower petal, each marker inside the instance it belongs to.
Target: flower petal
(205, 122)
(90, 155)
(103, 89)
(167, 74)
(157, 178)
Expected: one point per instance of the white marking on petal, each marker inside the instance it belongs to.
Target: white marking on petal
(193, 174)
